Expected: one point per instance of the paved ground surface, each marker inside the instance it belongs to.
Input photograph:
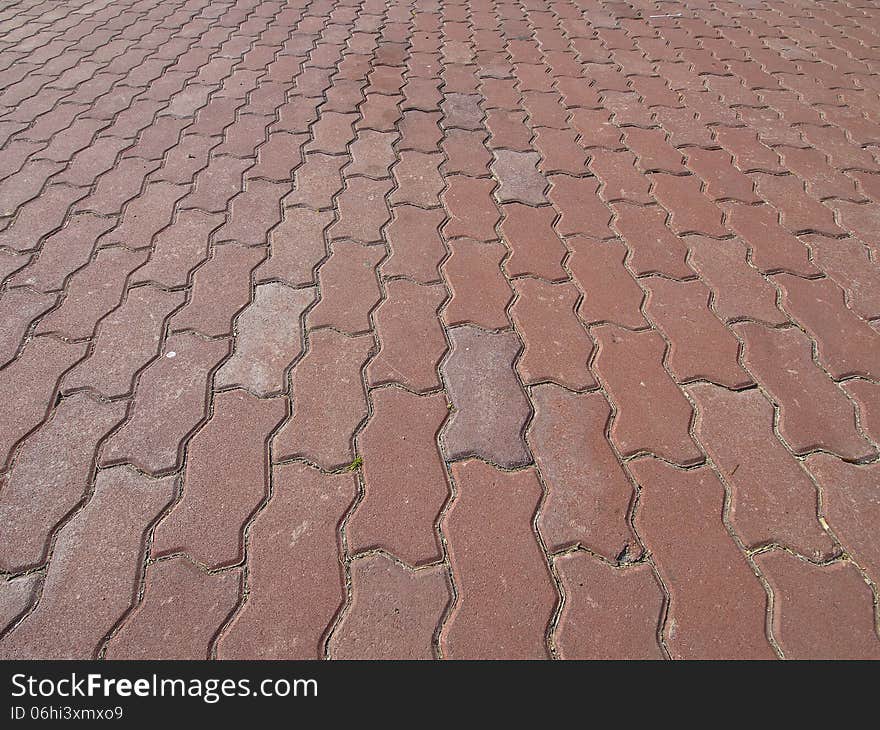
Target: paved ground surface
(459, 329)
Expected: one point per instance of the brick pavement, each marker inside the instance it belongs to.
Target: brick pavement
(475, 328)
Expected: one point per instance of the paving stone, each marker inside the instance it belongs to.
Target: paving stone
(611, 294)
(820, 612)
(626, 364)
(253, 213)
(117, 186)
(393, 612)
(277, 158)
(847, 261)
(295, 583)
(51, 473)
(505, 594)
(11, 262)
(537, 249)
(217, 184)
(588, 494)
(798, 212)
(471, 208)
(39, 217)
(820, 180)
(462, 111)
(404, 478)
(268, 339)
(220, 289)
(169, 403)
(619, 177)
(363, 210)
(420, 131)
(16, 596)
(738, 290)
(328, 400)
(719, 173)
(224, 482)
(867, 397)
(19, 308)
(655, 248)
(700, 347)
(480, 293)
(178, 249)
(372, 154)
(846, 345)
(91, 293)
(317, 181)
(518, 177)
(581, 210)
(416, 247)
(609, 613)
(297, 246)
(716, 603)
(349, 288)
(332, 132)
(490, 409)
(690, 211)
(771, 500)
(145, 216)
(509, 132)
(126, 340)
(466, 152)
(40, 364)
(557, 347)
(723, 181)
(418, 179)
(850, 505)
(83, 598)
(781, 361)
(182, 609)
(411, 341)
(654, 153)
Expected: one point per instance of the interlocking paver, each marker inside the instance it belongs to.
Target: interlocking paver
(738, 290)
(480, 292)
(489, 406)
(716, 603)
(393, 611)
(845, 343)
(781, 360)
(557, 347)
(114, 522)
(125, 340)
(588, 493)
(772, 500)
(295, 579)
(50, 475)
(629, 363)
(225, 479)
(700, 347)
(820, 612)
(168, 403)
(188, 603)
(609, 613)
(404, 480)
(220, 288)
(329, 400)
(411, 341)
(570, 240)
(505, 595)
(536, 248)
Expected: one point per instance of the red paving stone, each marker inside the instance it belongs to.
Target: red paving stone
(446, 329)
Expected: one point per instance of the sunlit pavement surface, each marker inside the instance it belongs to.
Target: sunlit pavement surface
(513, 329)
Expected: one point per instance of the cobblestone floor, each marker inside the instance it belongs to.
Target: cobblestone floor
(439, 329)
